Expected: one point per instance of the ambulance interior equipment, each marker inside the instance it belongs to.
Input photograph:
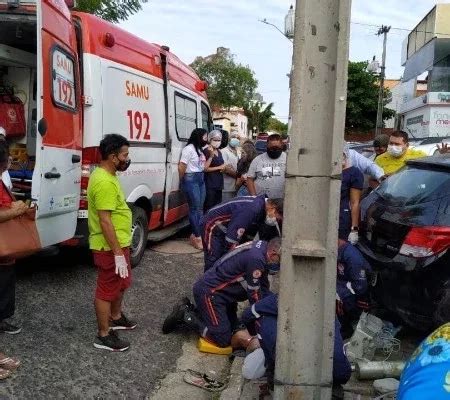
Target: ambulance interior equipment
(18, 61)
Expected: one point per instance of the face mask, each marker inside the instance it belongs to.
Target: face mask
(395, 151)
(274, 152)
(271, 221)
(123, 165)
(234, 142)
(215, 144)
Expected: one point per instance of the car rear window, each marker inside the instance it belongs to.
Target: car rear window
(413, 185)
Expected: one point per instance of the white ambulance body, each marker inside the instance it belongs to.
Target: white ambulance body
(80, 78)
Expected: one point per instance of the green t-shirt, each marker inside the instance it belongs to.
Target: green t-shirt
(105, 194)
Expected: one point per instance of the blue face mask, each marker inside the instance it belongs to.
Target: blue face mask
(234, 142)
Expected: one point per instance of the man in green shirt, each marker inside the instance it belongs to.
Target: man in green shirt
(109, 220)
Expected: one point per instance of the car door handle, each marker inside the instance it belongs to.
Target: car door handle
(52, 175)
(75, 158)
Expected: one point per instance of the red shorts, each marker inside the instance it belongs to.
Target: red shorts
(109, 284)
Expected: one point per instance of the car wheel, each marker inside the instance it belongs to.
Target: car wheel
(139, 233)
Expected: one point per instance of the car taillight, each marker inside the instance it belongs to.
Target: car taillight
(426, 241)
(91, 157)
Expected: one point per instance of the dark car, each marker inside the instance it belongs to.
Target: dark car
(405, 235)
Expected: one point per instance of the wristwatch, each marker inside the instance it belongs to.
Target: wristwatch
(354, 229)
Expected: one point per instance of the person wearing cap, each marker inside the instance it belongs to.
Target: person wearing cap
(261, 319)
(380, 145)
(6, 179)
(266, 174)
(230, 156)
(214, 171)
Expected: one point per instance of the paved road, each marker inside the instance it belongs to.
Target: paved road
(55, 309)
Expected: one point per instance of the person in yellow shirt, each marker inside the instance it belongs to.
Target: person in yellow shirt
(109, 220)
(398, 152)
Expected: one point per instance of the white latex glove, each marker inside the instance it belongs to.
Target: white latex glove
(121, 266)
(353, 237)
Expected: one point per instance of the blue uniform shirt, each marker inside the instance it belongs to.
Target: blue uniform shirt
(352, 268)
(236, 216)
(427, 374)
(240, 274)
(265, 313)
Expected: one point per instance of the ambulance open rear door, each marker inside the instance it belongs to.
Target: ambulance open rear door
(57, 175)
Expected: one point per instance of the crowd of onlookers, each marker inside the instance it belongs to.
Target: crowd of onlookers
(210, 175)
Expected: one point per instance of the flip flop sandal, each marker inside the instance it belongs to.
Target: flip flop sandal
(203, 381)
(4, 373)
(9, 363)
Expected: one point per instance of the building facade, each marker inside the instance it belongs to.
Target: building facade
(425, 108)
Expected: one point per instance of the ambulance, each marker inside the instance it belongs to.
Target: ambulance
(67, 79)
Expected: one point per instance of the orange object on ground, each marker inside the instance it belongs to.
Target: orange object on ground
(207, 347)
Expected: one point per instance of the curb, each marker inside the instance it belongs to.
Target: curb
(236, 382)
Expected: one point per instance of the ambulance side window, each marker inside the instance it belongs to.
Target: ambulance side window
(63, 79)
(185, 116)
(206, 118)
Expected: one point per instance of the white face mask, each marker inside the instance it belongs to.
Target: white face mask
(395, 151)
(216, 145)
(271, 221)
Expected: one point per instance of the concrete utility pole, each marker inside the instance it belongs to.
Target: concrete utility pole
(308, 273)
(384, 30)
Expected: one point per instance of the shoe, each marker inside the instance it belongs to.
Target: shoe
(198, 243)
(112, 342)
(6, 327)
(176, 317)
(122, 324)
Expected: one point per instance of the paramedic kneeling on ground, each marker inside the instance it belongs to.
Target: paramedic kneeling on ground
(240, 275)
(109, 222)
(261, 319)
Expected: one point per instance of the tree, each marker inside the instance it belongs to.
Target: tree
(277, 126)
(110, 10)
(230, 84)
(257, 116)
(362, 98)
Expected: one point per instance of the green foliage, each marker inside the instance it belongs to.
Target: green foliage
(230, 84)
(362, 98)
(258, 116)
(110, 10)
(277, 126)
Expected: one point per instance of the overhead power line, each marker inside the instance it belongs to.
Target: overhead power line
(401, 29)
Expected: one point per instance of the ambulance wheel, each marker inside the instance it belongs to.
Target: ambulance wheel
(139, 233)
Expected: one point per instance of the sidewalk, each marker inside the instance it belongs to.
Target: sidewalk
(173, 385)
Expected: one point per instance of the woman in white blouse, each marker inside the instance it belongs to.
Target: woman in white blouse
(191, 170)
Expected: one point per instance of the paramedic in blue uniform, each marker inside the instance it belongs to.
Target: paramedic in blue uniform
(261, 319)
(225, 225)
(240, 275)
(351, 284)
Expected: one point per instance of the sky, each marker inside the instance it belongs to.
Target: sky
(194, 28)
